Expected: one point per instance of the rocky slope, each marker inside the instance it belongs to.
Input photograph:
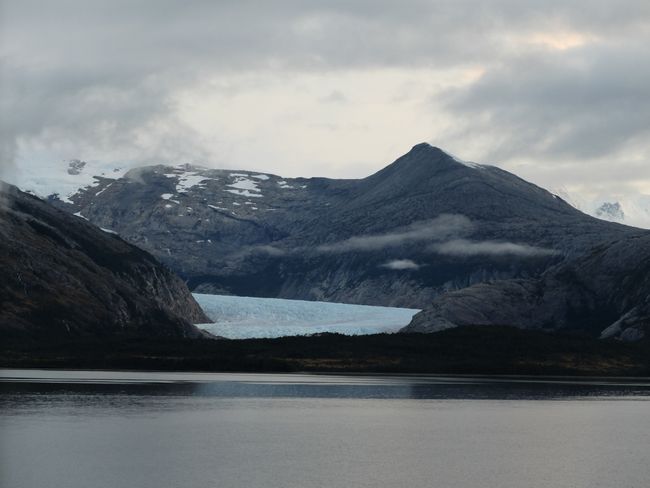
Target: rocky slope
(63, 278)
(425, 224)
(604, 293)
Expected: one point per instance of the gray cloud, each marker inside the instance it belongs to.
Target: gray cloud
(401, 264)
(440, 228)
(101, 79)
(582, 103)
(464, 248)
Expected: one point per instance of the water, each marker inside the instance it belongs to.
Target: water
(110, 429)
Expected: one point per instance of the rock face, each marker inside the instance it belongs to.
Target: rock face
(426, 224)
(605, 293)
(63, 278)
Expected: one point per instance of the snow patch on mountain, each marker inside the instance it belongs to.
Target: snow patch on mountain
(168, 196)
(247, 317)
(218, 208)
(284, 184)
(64, 178)
(243, 183)
(187, 179)
(244, 186)
(103, 189)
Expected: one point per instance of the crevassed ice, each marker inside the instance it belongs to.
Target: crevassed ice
(245, 193)
(247, 317)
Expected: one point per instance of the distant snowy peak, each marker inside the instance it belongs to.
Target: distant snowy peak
(610, 211)
(631, 210)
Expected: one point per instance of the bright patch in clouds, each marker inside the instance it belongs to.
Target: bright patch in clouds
(560, 40)
(290, 124)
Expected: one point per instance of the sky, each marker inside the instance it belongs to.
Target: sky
(557, 92)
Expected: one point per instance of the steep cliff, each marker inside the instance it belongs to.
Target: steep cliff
(604, 293)
(62, 277)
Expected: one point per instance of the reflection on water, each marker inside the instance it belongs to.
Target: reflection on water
(104, 429)
(69, 384)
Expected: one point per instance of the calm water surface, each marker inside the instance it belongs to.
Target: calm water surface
(118, 429)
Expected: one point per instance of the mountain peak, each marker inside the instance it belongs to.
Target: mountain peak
(424, 149)
(425, 146)
(421, 163)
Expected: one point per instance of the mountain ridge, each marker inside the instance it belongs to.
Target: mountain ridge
(247, 233)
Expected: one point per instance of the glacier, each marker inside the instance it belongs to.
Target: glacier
(248, 317)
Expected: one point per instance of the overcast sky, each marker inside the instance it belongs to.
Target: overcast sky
(555, 91)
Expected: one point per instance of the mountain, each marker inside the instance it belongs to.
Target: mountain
(628, 209)
(425, 224)
(610, 211)
(63, 278)
(63, 180)
(604, 293)
(631, 209)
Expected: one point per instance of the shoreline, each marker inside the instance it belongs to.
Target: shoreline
(475, 351)
(492, 378)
